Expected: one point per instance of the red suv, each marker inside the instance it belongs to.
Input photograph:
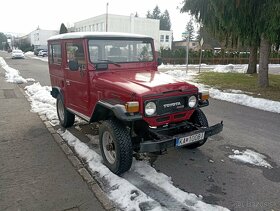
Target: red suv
(112, 79)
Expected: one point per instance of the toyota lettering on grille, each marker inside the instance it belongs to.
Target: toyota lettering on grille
(172, 104)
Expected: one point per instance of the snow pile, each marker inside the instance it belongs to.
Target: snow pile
(42, 102)
(230, 68)
(12, 75)
(29, 53)
(233, 96)
(122, 192)
(251, 157)
(246, 100)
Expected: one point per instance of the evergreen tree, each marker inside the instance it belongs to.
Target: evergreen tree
(149, 15)
(165, 23)
(253, 22)
(190, 29)
(3, 40)
(156, 13)
(63, 29)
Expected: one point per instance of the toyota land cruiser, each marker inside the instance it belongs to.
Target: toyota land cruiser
(112, 79)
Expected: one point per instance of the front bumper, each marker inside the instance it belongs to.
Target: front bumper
(160, 145)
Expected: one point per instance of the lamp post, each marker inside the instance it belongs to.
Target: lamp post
(186, 35)
(107, 5)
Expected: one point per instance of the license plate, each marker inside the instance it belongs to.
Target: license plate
(189, 139)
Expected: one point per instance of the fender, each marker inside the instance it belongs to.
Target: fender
(104, 110)
(56, 91)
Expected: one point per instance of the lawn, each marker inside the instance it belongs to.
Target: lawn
(244, 82)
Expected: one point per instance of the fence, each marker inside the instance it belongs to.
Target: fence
(214, 60)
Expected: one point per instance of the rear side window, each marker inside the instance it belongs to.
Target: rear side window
(55, 54)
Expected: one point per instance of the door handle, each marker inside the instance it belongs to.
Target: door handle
(67, 83)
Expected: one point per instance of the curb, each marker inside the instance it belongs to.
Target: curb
(77, 163)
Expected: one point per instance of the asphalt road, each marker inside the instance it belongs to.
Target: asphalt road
(208, 171)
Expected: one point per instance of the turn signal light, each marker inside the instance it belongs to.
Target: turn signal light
(204, 95)
(132, 107)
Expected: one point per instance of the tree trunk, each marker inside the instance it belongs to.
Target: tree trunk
(252, 66)
(264, 60)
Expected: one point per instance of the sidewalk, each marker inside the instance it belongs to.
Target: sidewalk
(35, 174)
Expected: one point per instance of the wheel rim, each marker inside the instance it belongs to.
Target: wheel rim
(108, 146)
(60, 109)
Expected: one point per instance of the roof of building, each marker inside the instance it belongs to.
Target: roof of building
(76, 35)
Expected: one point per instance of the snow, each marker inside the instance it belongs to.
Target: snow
(250, 157)
(12, 75)
(122, 191)
(42, 102)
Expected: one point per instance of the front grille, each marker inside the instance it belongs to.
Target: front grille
(171, 105)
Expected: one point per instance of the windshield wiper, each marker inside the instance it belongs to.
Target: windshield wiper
(109, 62)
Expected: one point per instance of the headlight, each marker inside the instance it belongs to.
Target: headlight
(150, 108)
(192, 101)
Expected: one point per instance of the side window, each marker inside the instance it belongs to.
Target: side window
(75, 52)
(55, 54)
(94, 53)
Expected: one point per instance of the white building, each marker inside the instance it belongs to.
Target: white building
(39, 37)
(127, 24)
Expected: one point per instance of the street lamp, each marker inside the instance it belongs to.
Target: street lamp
(107, 5)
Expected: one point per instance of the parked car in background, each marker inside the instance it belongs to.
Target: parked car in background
(36, 51)
(43, 53)
(17, 54)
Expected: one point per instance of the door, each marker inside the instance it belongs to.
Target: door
(76, 81)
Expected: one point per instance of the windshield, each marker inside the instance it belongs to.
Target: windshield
(120, 50)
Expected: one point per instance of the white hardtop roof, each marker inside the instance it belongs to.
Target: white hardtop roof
(76, 35)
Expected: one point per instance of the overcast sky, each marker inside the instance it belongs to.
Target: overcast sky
(25, 16)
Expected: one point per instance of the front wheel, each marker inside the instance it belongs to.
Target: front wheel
(65, 117)
(116, 146)
(198, 118)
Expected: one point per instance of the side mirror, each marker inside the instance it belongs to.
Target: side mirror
(73, 65)
(159, 61)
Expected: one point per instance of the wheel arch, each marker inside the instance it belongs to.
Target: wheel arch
(105, 110)
(56, 91)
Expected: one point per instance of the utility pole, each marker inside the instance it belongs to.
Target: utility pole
(186, 35)
(201, 44)
(107, 5)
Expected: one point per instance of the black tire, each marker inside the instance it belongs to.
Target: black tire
(65, 117)
(116, 146)
(198, 118)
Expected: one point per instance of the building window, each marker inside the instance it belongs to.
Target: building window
(167, 38)
(161, 38)
(55, 54)
(97, 27)
(101, 26)
(89, 28)
(93, 29)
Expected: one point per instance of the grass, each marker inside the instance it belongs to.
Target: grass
(244, 82)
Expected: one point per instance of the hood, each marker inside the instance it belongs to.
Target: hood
(144, 82)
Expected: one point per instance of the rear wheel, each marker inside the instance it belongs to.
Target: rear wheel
(116, 146)
(198, 118)
(65, 117)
